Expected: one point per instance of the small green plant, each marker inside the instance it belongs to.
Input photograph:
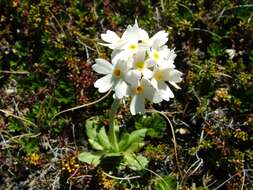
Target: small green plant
(141, 69)
(127, 146)
(165, 183)
(154, 123)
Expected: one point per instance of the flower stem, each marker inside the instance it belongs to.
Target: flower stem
(112, 130)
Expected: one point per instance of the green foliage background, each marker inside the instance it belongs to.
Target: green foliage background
(47, 48)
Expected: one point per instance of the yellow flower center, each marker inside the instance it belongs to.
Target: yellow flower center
(158, 75)
(133, 47)
(139, 90)
(117, 73)
(156, 55)
(140, 65)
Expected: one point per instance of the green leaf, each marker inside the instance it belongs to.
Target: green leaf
(154, 123)
(92, 127)
(136, 136)
(97, 134)
(112, 154)
(123, 141)
(166, 183)
(135, 147)
(103, 139)
(135, 162)
(95, 144)
(116, 127)
(90, 158)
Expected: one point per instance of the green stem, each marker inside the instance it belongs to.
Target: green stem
(112, 131)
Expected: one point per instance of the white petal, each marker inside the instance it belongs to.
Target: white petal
(114, 56)
(159, 42)
(122, 55)
(122, 65)
(175, 85)
(133, 77)
(137, 104)
(102, 66)
(159, 39)
(121, 89)
(150, 62)
(140, 56)
(147, 73)
(157, 98)
(165, 91)
(131, 34)
(154, 83)
(173, 76)
(150, 92)
(110, 37)
(143, 36)
(172, 55)
(170, 64)
(111, 46)
(166, 64)
(104, 84)
(125, 34)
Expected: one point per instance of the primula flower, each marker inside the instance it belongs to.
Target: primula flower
(159, 53)
(156, 41)
(114, 77)
(141, 67)
(112, 40)
(131, 36)
(128, 41)
(141, 91)
(131, 45)
(161, 57)
(159, 39)
(162, 75)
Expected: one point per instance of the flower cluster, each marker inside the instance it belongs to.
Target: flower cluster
(141, 67)
(33, 158)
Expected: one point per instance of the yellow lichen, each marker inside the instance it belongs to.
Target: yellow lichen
(70, 164)
(221, 95)
(104, 181)
(33, 158)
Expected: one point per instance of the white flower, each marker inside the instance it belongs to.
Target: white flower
(159, 39)
(112, 40)
(133, 77)
(131, 36)
(130, 46)
(114, 77)
(142, 36)
(143, 90)
(128, 41)
(140, 65)
(159, 53)
(162, 57)
(160, 76)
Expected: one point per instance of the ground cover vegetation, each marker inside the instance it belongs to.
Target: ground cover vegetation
(57, 131)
